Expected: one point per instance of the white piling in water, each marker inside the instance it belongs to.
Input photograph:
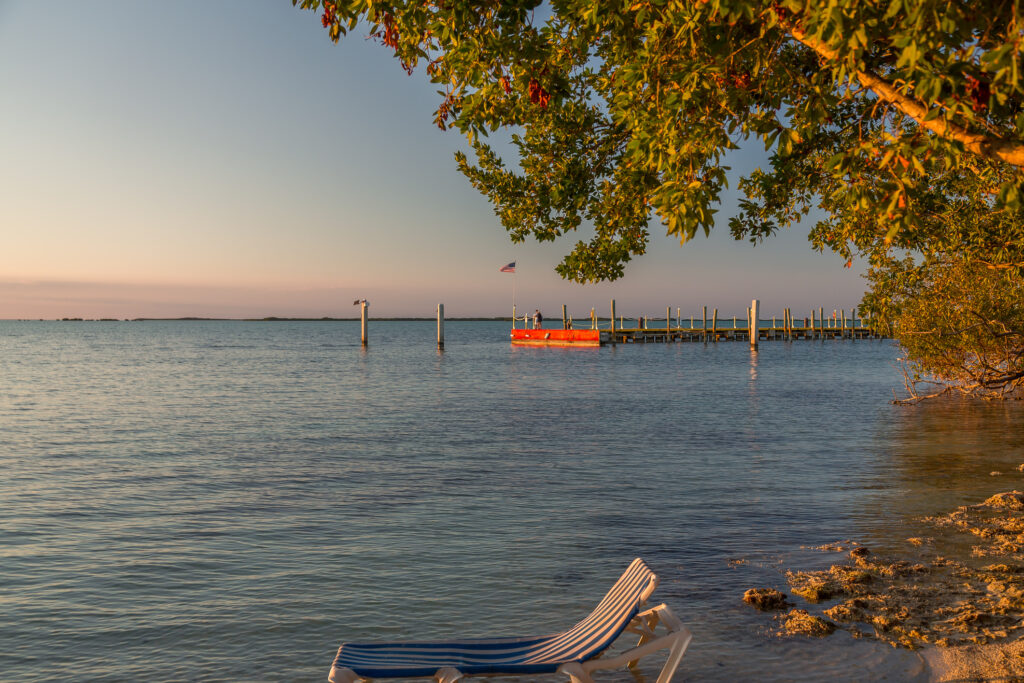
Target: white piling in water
(363, 318)
(613, 322)
(440, 326)
(753, 332)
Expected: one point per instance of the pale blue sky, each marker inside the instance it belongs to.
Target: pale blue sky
(226, 159)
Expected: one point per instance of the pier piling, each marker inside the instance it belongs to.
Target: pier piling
(613, 321)
(363, 317)
(753, 331)
(440, 326)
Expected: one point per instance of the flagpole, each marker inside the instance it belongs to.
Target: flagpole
(514, 299)
(511, 268)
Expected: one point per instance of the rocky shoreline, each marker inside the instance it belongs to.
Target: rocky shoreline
(967, 612)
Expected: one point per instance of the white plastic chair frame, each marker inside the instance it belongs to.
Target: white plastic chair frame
(676, 638)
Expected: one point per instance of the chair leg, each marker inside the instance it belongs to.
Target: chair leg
(675, 655)
(448, 674)
(575, 672)
(343, 675)
(646, 635)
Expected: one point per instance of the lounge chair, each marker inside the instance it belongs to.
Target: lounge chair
(574, 652)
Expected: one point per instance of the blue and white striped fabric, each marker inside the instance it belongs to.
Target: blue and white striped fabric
(542, 654)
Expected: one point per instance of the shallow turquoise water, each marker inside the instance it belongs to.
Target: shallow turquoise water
(228, 500)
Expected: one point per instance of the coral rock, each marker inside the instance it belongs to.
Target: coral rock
(1014, 500)
(800, 622)
(766, 598)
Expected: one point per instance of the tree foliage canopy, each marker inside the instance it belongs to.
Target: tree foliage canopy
(889, 114)
(958, 322)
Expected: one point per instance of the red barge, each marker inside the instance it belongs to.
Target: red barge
(559, 337)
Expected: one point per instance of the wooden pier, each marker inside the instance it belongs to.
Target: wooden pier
(651, 335)
(654, 335)
(613, 330)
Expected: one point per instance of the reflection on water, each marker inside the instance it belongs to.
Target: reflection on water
(953, 444)
(200, 499)
(944, 453)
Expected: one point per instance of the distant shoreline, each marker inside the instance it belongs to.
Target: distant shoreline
(270, 319)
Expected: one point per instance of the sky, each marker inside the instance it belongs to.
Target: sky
(226, 159)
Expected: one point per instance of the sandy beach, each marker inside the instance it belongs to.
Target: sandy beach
(991, 662)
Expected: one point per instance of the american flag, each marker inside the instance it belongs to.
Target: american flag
(510, 268)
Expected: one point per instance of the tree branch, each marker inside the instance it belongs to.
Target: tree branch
(987, 146)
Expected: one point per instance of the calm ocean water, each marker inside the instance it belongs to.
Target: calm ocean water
(229, 501)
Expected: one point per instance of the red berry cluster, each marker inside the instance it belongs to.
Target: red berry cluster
(979, 92)
(441, 117)
(329, 15)
(538, 95)
(390, 34)
(740, 80)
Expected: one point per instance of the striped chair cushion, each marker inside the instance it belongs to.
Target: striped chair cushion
(542, 654)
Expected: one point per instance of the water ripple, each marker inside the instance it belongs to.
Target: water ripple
(210, 500)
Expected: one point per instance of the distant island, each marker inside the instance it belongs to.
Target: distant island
(275, 319)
